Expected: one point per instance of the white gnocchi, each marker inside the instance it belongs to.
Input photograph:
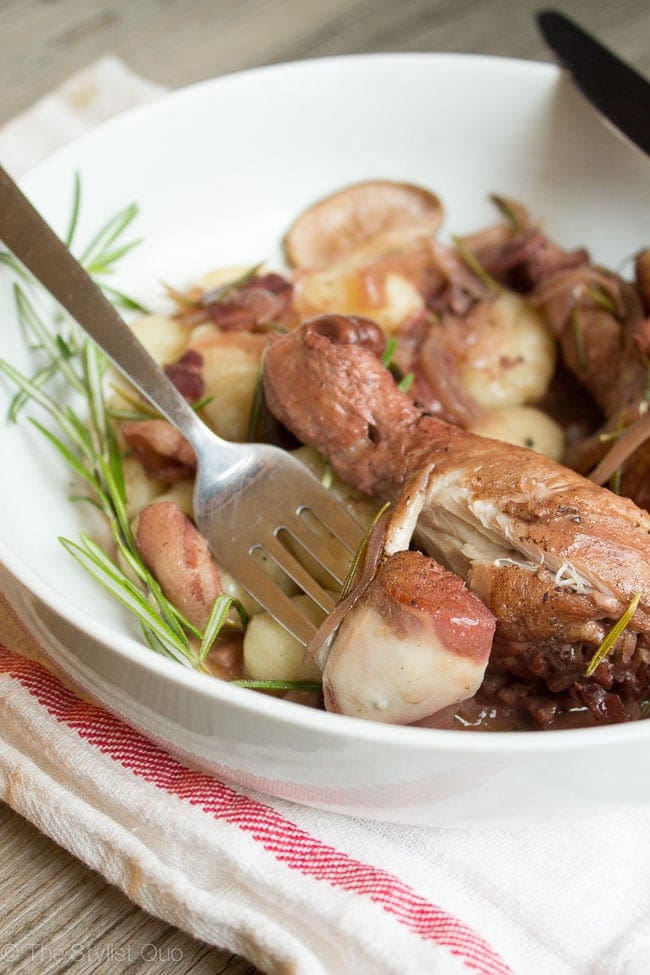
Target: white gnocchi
(271, 653)
(525, 426)
(509, 358)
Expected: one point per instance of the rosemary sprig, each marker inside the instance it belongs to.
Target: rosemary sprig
(40, 378)
(10, 261)
(74, 214)
(218, 294)
(279, 685)
(120, 300)
(513, 212)
(57, 349)
(389, 353)
(66, 419)
(404, 384)
(99, 248)
(204, 401)
(95, 561)
(90, 447)
(218, 617)
(613, 635)
(601, 298)
(472, 262)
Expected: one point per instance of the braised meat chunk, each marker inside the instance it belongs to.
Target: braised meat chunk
(525, 533)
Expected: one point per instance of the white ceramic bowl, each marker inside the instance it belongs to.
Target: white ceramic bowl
(218, 171)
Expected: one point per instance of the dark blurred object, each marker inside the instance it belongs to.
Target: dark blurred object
(618, 92)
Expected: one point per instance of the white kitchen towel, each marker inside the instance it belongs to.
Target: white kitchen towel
(92, 96)
(304, 892)
(296, 890)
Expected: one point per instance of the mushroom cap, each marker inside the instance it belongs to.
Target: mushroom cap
(416, 641)
(366, 219)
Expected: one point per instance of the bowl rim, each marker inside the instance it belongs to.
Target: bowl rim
(132, 115)
(274, 709)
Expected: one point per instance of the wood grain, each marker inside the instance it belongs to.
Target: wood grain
(180, 41)
(57, 916)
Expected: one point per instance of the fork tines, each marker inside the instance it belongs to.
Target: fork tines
(297, 545)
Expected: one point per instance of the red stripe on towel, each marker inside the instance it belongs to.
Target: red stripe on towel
(286, 841)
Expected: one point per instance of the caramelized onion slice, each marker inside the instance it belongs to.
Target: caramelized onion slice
(373, 550)
(623, 448)
(391, 532)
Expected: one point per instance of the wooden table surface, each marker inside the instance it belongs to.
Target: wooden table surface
(49, 902)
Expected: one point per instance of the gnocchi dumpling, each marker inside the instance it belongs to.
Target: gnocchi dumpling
(525, 426)
(271, 653)
(230, 370)
(140, 489)
(508, 358)
(386, 296)
(277, 576)
(164, 338)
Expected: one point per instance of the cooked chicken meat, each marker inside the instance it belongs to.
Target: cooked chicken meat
(519, 528)
(412, 638)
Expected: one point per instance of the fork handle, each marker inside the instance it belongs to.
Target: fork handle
(35, 244)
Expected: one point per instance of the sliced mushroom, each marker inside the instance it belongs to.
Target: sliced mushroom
(413, 640)
(367, 219)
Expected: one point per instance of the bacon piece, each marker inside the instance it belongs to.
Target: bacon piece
(263, 300)
(161, 449)
(186, 375)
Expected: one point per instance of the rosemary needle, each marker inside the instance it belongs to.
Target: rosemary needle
(90, 448)
(617, 629)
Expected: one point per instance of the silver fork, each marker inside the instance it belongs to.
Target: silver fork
(245, 495)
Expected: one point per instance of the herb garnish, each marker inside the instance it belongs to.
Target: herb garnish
(388, 353)
(278, 685)
(224, 290)
(578, 337)
(601, 298)
(89, 445)
(514, 213)
(472, 262)
(613, 635)
(404, 383)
